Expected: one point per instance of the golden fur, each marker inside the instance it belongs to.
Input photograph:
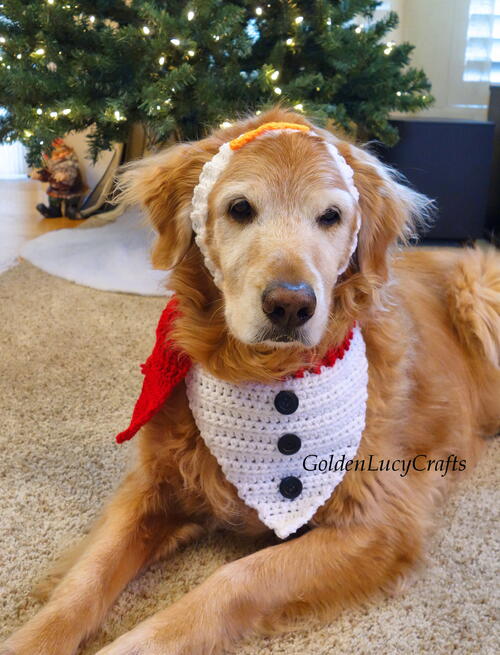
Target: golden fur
(431, 323)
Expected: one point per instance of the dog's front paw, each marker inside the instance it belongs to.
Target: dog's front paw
(152, 638)
(47, 633)
(129, 644)
(140, 642)
(22, 643)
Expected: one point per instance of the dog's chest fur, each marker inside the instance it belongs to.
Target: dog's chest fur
(270, 438)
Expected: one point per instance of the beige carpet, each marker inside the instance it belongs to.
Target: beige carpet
(69, 375)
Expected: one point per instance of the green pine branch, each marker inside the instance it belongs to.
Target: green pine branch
(181, 67)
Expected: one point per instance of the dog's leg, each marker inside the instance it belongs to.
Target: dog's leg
(134, 529)
(320, 571)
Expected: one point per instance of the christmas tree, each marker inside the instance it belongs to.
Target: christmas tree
(181, 67)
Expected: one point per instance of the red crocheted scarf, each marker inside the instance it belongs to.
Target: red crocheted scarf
(167, 366)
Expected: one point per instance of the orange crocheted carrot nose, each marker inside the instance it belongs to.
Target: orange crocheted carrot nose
(245, 138)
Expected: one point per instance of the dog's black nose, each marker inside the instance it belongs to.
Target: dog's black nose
(288, 305)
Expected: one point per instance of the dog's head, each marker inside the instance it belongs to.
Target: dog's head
(281, 227)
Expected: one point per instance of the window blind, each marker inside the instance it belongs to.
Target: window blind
(482, 54)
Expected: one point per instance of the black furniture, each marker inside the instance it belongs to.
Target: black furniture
(493, 223)
(449, 161)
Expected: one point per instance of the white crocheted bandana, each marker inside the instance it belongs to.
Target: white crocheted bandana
(264, 436)
(212, 170)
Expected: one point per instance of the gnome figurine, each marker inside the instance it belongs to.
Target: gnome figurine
(60, 169)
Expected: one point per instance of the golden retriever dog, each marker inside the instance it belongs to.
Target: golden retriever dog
(297, 260)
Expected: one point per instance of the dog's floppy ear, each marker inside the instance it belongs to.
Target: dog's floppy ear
(163, 184)
(390, 211)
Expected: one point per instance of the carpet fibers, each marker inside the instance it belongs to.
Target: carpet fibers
(69, 376)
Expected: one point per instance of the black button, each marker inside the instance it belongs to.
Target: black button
(289, 444)
(291, 487)
(286, 402)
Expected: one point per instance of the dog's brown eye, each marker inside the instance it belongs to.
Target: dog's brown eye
(329, 217)
(241, 210)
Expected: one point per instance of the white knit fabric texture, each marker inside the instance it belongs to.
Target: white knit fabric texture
(347, 175)
(199, 213)
(241, 427)
(211, 172)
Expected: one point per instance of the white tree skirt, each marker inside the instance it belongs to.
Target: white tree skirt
(115, 257)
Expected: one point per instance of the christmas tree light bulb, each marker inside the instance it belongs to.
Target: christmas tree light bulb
(92, 19)
(19, 56)
(41, 143)
(359, 29)
(39, 111)
(50, 2)
(290, 42)
(299, 20)
(258, 11)
(161, 60)
(117, 115)
(175, 41)
(146, 30)
(387, 51)
(225, 124)
(275, 75)
(40, 51)
(158, 107)
(53, 114)
(398, 93)
(2, 39)
(216, 37)
(28, 133)
(190, 15)
(191, 53)
(277, 90)
(328, 21)
(66, 111)
(299, 106)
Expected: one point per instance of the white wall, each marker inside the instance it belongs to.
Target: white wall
(438, 30)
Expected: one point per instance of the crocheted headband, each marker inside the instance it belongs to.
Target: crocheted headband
(212, 170)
